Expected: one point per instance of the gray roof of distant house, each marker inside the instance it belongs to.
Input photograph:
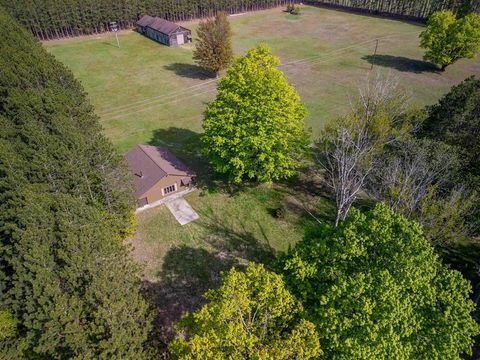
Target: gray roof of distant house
(159, 24)
(149, 164)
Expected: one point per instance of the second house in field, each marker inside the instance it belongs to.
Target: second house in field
(163, 31)
(157, 173)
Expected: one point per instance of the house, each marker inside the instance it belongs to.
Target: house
(163, 31)
(157, 173)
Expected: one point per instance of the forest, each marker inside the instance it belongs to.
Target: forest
(55, 19)
(420, 9)
(65, 208)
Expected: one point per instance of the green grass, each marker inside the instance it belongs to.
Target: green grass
(144, 86)
(145, 92)
(240, 227)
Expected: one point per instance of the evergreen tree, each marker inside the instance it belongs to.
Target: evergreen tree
(65, 209)
(375, 289)
(213, 49)
(255, 129)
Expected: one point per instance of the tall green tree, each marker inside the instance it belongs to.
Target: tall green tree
(448, 39)
(250, 316)
(375, 289)
(48, 19)
(213, 49)
(74, 289)
(255, 127)
(455, 120)
(66, 207)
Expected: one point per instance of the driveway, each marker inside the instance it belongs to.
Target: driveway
(182, 210)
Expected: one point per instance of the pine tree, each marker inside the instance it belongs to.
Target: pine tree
(65, 208)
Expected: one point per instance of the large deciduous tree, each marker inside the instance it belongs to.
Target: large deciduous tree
(255, 128)
(250, 316)
(213, 49)
(347, 147)
(375, 289)
(419, 179)
(448, 39)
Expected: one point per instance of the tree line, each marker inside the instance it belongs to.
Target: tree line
(421, 9)
(68, 288)
(55, 19)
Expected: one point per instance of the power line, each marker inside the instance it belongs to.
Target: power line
(313, 59)
(147, 100)
(155, 106)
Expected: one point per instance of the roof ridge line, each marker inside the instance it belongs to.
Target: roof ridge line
(141, 148)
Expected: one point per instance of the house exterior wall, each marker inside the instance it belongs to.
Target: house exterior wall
(155, 193)
(158, 36)
(187, 35)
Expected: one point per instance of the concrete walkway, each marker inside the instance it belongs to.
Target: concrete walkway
(182, 210)
(164, 200)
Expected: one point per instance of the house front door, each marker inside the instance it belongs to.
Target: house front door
(180, 39)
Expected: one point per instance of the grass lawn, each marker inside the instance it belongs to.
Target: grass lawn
(145, 92)
(145, 86)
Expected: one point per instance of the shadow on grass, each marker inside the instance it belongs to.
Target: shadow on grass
(237, 240)
(187, 146)
(187, 273)
(191, 71)
(401, 63)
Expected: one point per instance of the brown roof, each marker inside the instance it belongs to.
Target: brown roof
(149, 164)
(159, 24)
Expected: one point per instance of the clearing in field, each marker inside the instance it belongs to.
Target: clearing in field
(148, 93)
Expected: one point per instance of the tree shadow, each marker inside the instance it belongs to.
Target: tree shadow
(186, 274)
(191, 71)
(186, 145)
(401, 63)
(237, 240)
(316, 203)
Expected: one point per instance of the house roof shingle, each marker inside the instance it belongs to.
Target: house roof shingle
(150, 164)
(159, 24)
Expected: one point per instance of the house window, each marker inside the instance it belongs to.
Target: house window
(169, 189)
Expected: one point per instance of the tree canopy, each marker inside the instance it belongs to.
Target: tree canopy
(250, 316)
(375, 289)
(455, 120)
(66, 278)
(213, 49)
(255, 127)
(348, 146)
(50, 19)
(449, 39)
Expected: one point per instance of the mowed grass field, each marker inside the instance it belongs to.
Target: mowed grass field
(145, 92)
(326, 54)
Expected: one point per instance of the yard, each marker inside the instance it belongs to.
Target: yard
(148, 93)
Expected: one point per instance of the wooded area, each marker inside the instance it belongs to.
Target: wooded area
(66, 279)
(55, 19)
(406, 8)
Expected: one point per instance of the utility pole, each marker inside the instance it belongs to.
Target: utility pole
(374, 54)
(114, 28)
